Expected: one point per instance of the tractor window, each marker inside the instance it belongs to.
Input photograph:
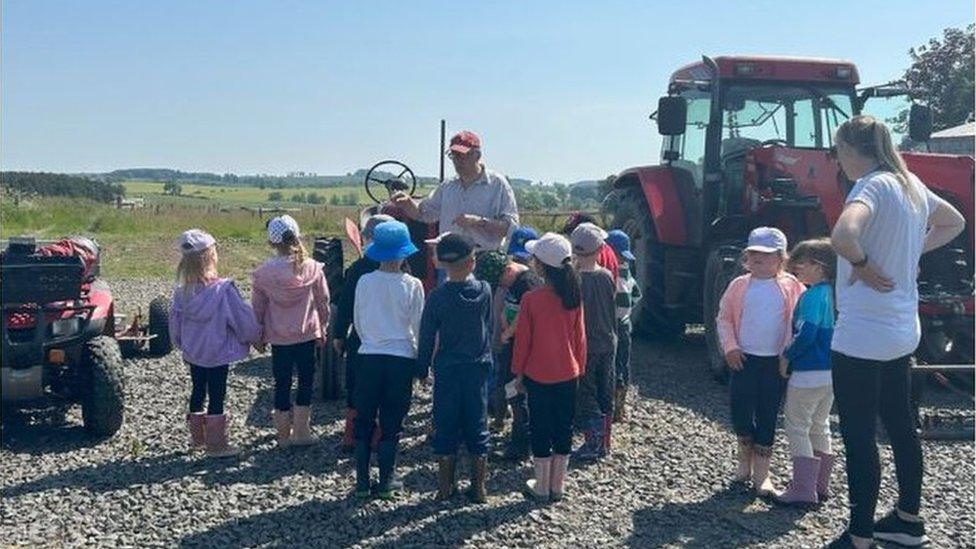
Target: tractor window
(691, 145)
(799, 116)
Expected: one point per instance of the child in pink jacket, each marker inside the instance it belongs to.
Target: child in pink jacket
(291, 302)
(753, 324)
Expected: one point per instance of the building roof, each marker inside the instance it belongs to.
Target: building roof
(963, 130)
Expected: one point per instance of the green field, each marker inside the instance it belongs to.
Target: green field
(152, 191)
(141, 242)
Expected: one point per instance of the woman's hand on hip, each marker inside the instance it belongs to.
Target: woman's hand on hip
(872, 275)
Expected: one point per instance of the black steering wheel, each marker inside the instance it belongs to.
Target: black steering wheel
(774, 142)
(376, 176)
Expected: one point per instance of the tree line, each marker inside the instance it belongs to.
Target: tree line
(57, 184)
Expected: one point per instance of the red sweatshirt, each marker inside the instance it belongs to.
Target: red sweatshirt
(550, 341)
(608, 260)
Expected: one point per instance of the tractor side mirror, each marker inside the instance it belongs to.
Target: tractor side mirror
(919, 123)
(672, 112)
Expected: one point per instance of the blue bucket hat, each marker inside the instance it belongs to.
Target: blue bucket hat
(620, 242)
(391, 241)
(516, 244)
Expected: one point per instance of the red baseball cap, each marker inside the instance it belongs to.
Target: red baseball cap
(464, 141)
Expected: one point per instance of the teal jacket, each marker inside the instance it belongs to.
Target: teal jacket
(813, 328)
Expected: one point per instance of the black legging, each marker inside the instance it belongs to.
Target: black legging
(284, 360)
(865, 389)
(552, 407)
(208, 382)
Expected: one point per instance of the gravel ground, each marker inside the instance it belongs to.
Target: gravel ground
(665, 485)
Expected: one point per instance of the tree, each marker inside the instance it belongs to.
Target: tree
(550, 201)
(942, 71)
(172, 188)
(274, 197)
(335, 200)
(314, 198)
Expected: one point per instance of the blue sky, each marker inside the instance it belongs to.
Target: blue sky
(558, 90)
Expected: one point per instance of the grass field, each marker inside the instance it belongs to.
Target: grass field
(152, 191)
(141, 242)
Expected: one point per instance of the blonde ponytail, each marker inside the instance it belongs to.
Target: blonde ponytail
(292, 247)
(871, 138)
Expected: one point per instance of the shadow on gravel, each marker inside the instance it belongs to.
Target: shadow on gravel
(665, 369)
(43, 431)
(719, 521)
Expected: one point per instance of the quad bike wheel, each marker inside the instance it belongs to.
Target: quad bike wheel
(103, 386)
(159, 327)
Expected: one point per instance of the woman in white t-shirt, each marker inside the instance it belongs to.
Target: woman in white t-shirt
(890, 219)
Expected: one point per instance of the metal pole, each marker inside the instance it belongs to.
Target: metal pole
(441, 152)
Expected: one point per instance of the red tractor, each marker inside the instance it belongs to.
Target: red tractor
(746, 142)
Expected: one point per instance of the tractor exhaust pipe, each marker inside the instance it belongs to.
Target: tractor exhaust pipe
(440, 153)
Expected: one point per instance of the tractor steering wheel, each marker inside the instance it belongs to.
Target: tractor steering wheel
(391, 184)
(774, 142)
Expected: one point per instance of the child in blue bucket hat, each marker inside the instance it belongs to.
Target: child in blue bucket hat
(386, 315)
(628, 293)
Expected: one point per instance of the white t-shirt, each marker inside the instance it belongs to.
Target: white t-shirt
(387, 313)
(883, 326)
(761, 331)
(809, 379)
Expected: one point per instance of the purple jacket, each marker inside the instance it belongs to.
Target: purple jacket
(212, 324)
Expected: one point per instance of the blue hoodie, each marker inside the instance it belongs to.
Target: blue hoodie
(813, 328)
(460, 312)
(212, 324)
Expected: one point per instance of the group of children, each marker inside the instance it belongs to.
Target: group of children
(546, 326)
(518, 329)
(775, 330)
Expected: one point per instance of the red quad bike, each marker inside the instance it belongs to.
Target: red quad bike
(62, 339)
(380, 184)
(746, 143)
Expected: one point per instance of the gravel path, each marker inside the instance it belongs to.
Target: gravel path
(665, 485)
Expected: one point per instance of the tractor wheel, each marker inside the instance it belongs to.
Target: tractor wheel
(159, 327)
(651, 317)
(103, 390)
(721, 266)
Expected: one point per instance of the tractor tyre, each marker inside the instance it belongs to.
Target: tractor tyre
(651, 316)
(721, 266)
(159, 327)
(103, 390)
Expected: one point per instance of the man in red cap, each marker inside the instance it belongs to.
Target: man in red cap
(478, 203)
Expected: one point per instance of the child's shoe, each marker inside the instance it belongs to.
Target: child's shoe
(196, 421)
(743, 471)
(557, 481)
(802, 491)
(301, 429)
(479, 471)
(538, 488)
(446, 483)
(282, 423)
(592, 440)
(823, 475)
(348, 443)
(216, 431)
(760, 471)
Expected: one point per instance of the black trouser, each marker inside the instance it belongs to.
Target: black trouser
(284, 360)
(596, 387)
(209, 383)
(384, 386)
(756, 392)
(520, 407)
(352, 365)
(863, 391)
(551, 410)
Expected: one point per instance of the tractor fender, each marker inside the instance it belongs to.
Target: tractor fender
(661, 190)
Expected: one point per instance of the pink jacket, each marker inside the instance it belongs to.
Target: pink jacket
(290, 308)
(731, 305)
